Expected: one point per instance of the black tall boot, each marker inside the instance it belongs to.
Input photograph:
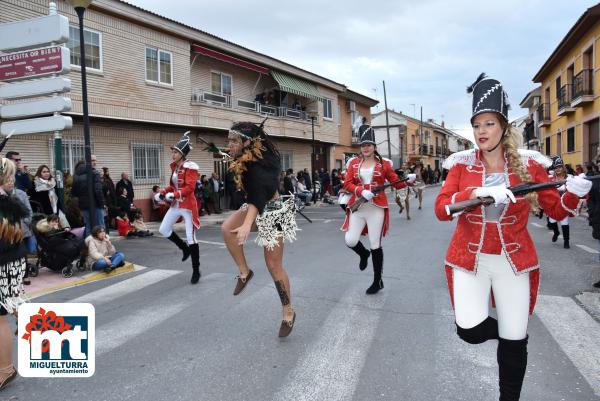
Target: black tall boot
(181, 245)
(566, 236)
(512, 362)
(554, 228)
(377, 255)
(363, 253)
(195, 252)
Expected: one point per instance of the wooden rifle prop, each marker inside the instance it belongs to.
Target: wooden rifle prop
(359, 202)
(521, 189)
(212, 148)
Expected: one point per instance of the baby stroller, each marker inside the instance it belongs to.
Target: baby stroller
(58, 250)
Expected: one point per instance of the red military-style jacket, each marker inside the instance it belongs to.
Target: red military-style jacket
(474, 235)
(187, 175)
(382, 172)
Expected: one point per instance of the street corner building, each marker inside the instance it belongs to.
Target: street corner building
(151, 78)
(564, 109)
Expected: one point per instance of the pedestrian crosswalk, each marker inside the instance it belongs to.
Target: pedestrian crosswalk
(329, 358)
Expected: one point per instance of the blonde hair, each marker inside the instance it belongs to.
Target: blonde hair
(511, 142)
(7, 171)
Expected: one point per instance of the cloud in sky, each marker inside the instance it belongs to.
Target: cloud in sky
(427, 51)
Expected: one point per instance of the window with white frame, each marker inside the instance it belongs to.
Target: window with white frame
(93, 48)
(159, 66)
(221, 83)
(73, 150)
(287, 160)
(327, 108)
(146, 162)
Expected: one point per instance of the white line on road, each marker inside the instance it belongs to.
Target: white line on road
(330, 370)
(576, 332)
(211, 242)
(587, 249)
(130, 285)
(327, 221)
(120, 331)
(537, 225)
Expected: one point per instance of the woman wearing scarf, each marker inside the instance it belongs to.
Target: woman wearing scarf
(44, 192)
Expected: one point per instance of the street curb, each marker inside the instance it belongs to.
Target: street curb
(95, 276)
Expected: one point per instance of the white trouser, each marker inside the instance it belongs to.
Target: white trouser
(511, 295)
(173, 214)
(563, 222)
(369, 215)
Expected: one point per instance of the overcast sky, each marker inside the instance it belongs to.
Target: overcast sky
(427, 51)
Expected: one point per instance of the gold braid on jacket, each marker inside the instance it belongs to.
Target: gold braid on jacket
(250, 153)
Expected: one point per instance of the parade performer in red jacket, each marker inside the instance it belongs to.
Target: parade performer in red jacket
(180, 194)
(491, 251)
(364, 173)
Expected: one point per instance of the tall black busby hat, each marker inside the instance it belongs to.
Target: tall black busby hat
(183, 146)
(488, 97)
(367, 135)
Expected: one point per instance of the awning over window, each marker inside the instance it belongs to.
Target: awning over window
(229, 59)
(294, 85)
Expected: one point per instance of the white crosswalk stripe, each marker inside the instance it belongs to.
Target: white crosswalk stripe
(121, 288)
(330, 369)
(576, 332)
(126, 328)
(588, 249)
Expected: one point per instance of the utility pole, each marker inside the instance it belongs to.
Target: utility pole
(387, 123)
(421, 133)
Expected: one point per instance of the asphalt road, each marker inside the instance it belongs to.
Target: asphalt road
(160, 338)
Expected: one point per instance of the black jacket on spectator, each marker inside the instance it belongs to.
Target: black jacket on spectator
(13, 211)
(123, 204)
(593, 205)
(288, 186)
(307, 180)
(80, 189)
(128, 186)
(43, 199)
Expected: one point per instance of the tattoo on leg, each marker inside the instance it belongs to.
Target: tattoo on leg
(285, 299)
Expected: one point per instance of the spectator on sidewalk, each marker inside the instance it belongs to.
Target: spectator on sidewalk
(136, 229)
(216, 187)
(75, 218)
(102, 254)
(303, 193)
(28, 237)
(307, 180)
(44, 190)
(125, 183)
(125, 205)
(288, 185)
(22, 179)
(80, 190)
(160, 207)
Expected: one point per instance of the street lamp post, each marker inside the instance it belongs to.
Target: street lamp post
(80, 7)
(313, 115)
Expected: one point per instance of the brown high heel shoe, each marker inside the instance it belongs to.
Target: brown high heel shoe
(287, 326)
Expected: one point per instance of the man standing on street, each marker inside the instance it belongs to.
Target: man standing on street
(80, 190)
(216, 192)
(125, 183)
(22, 180)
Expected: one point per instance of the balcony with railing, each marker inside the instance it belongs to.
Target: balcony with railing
(583, 87)
(565, 94)
(206, 97)
(438, 150)
(355, 137)
(543, 112)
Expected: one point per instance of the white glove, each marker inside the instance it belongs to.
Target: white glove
(368, 195)
(578, 185)
(157, 197)
(500, 193)
(412, 177)
(169, 197)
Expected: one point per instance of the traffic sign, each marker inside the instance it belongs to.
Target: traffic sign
(18, 90)
(36, 32)
(35, 63)
(36, 108)
(36, 125)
